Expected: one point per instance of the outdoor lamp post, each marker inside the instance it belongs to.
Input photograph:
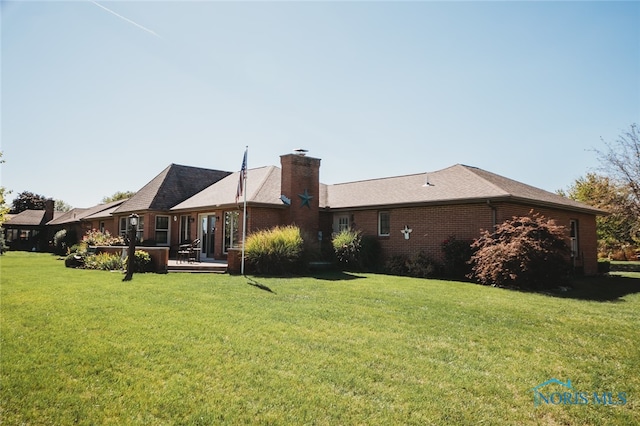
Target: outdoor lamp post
(133, 228)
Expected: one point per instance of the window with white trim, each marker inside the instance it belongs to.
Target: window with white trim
(384, 224)
(342, 223)
(573, 234)
(124, 227)
(231, 234)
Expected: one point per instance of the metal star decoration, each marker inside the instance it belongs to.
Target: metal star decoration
(306, 199)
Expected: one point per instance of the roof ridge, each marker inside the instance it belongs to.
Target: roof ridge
(170, 168)
(493, 185)
(380, 178)
(265, 178)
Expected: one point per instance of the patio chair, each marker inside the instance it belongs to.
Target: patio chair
(183, 252)
(194, 251)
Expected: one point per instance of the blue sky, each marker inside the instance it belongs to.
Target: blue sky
(99, 97)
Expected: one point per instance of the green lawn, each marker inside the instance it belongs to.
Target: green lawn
(83, 347)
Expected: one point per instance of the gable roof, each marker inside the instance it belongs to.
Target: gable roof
(455, 184)
(76, 214)
(262, 187)
(173, 185)
(29, 218)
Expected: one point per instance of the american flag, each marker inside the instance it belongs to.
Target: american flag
(243, 177)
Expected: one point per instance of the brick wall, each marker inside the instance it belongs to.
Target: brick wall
(259, 218)
(431, 225)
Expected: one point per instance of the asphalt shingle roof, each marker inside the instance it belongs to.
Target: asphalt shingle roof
(172, 186)
(263, 187)
(29, 218)
(458, 183)
(74, 215)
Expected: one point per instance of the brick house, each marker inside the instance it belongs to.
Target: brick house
(27, 230)
(406, 213)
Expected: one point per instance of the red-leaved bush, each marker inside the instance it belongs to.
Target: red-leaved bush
(528, 252)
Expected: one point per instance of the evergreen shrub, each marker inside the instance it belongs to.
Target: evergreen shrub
(457, 254)
(419, 265)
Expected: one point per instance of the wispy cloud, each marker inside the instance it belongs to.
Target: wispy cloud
(126, 19)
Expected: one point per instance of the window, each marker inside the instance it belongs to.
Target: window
(230, 230)
(573, 234)
(162, 230)
(124, 227)
(185, 229)
(341, 223)
(102, 227)
(384, 224)
(11, 234)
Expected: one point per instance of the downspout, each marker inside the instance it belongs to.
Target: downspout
(494, 214)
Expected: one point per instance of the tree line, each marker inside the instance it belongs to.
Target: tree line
(614, 187)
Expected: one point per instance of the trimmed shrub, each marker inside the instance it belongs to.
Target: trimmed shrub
(346, 247)
(419, 266)
(274, 251)
(74, 260)
(528, 252)
(370, 253)
(457, 254)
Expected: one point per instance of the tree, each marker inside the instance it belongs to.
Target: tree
(120, 195)
(4, 209)
(28, 201)
(621, 163)
(528, 252)
(61, 206)
(621, 227)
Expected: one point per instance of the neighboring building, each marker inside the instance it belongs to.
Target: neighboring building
(78, 221)
(27, 230)
(407, 214)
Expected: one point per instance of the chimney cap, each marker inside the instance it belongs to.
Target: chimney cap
(301, 151)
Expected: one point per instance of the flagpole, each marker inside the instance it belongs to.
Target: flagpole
(244, 212)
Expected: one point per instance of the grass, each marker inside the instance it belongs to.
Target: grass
(83, 347)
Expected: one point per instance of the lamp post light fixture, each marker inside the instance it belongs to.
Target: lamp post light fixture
(133, 228)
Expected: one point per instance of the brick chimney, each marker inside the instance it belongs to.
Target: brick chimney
(48, 210)
(300, 183)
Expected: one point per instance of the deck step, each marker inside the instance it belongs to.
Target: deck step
(211, 268)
